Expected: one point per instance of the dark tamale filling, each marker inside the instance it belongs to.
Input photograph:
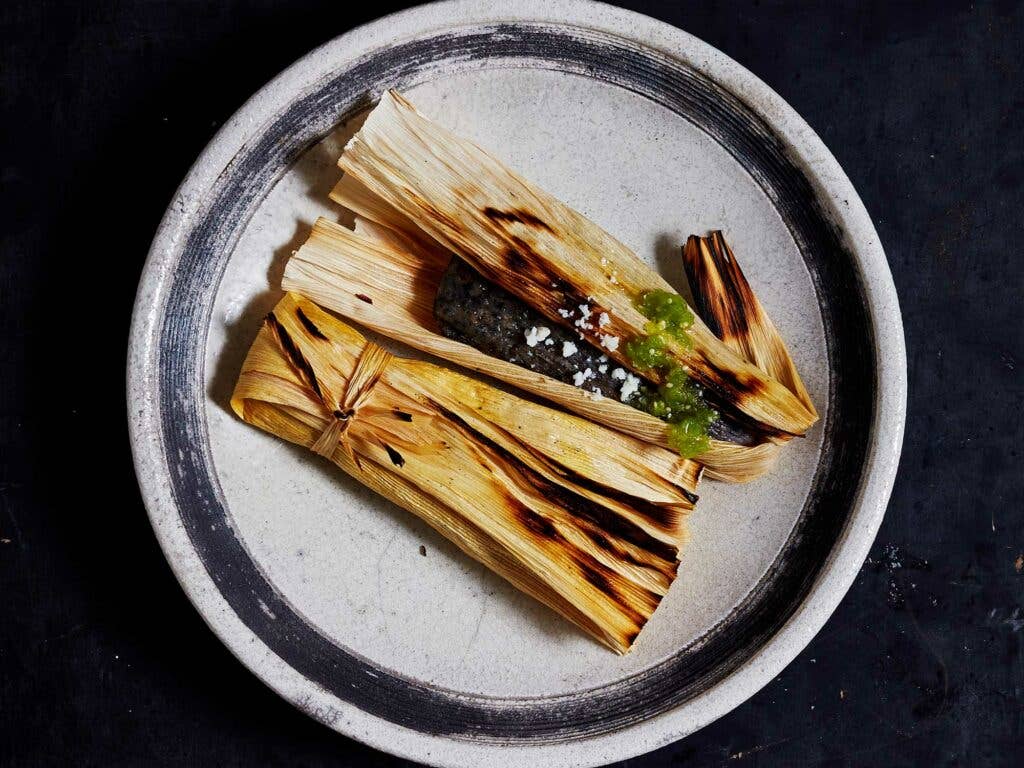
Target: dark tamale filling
(475, 311)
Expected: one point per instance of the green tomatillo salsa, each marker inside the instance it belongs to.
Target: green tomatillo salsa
(678, 400)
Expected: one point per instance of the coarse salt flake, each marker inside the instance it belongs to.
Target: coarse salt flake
(568, 349)
(629, 387)
(581, 376)
(535, 335)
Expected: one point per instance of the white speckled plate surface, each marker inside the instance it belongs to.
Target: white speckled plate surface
(319, 587)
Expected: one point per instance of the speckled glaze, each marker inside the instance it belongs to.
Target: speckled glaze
(319, 587)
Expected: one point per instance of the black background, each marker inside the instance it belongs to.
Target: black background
(105, 105)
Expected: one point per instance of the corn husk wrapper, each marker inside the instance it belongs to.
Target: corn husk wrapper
(587, 520)
(404, 168)
(725, 301)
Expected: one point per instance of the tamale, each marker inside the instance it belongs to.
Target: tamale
(587, 520)
(523, 239)
(386, 279)
(390, 289)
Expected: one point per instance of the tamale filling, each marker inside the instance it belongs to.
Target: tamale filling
(475, 311)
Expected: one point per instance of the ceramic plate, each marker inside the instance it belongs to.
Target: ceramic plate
(319, 587)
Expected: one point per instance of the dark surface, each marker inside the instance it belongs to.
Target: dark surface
(483, 315)
(102, 659)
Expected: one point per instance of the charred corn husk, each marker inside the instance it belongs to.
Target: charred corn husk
(407, 169)
(383, 279)
(725, 301)
(587, 520)
(386, 273)
(732, 311)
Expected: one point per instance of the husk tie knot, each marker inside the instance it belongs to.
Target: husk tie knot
(369, 367)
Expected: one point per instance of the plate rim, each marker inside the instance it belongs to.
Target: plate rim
(839, 570)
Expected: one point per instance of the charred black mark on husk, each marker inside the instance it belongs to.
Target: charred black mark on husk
(533, 520)
(580, 506)
(294, 354)
(515, 260)
(720, 291)
(665, 516)
(604, 580)
(309, 325)
(396, 458)
(513, 216)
